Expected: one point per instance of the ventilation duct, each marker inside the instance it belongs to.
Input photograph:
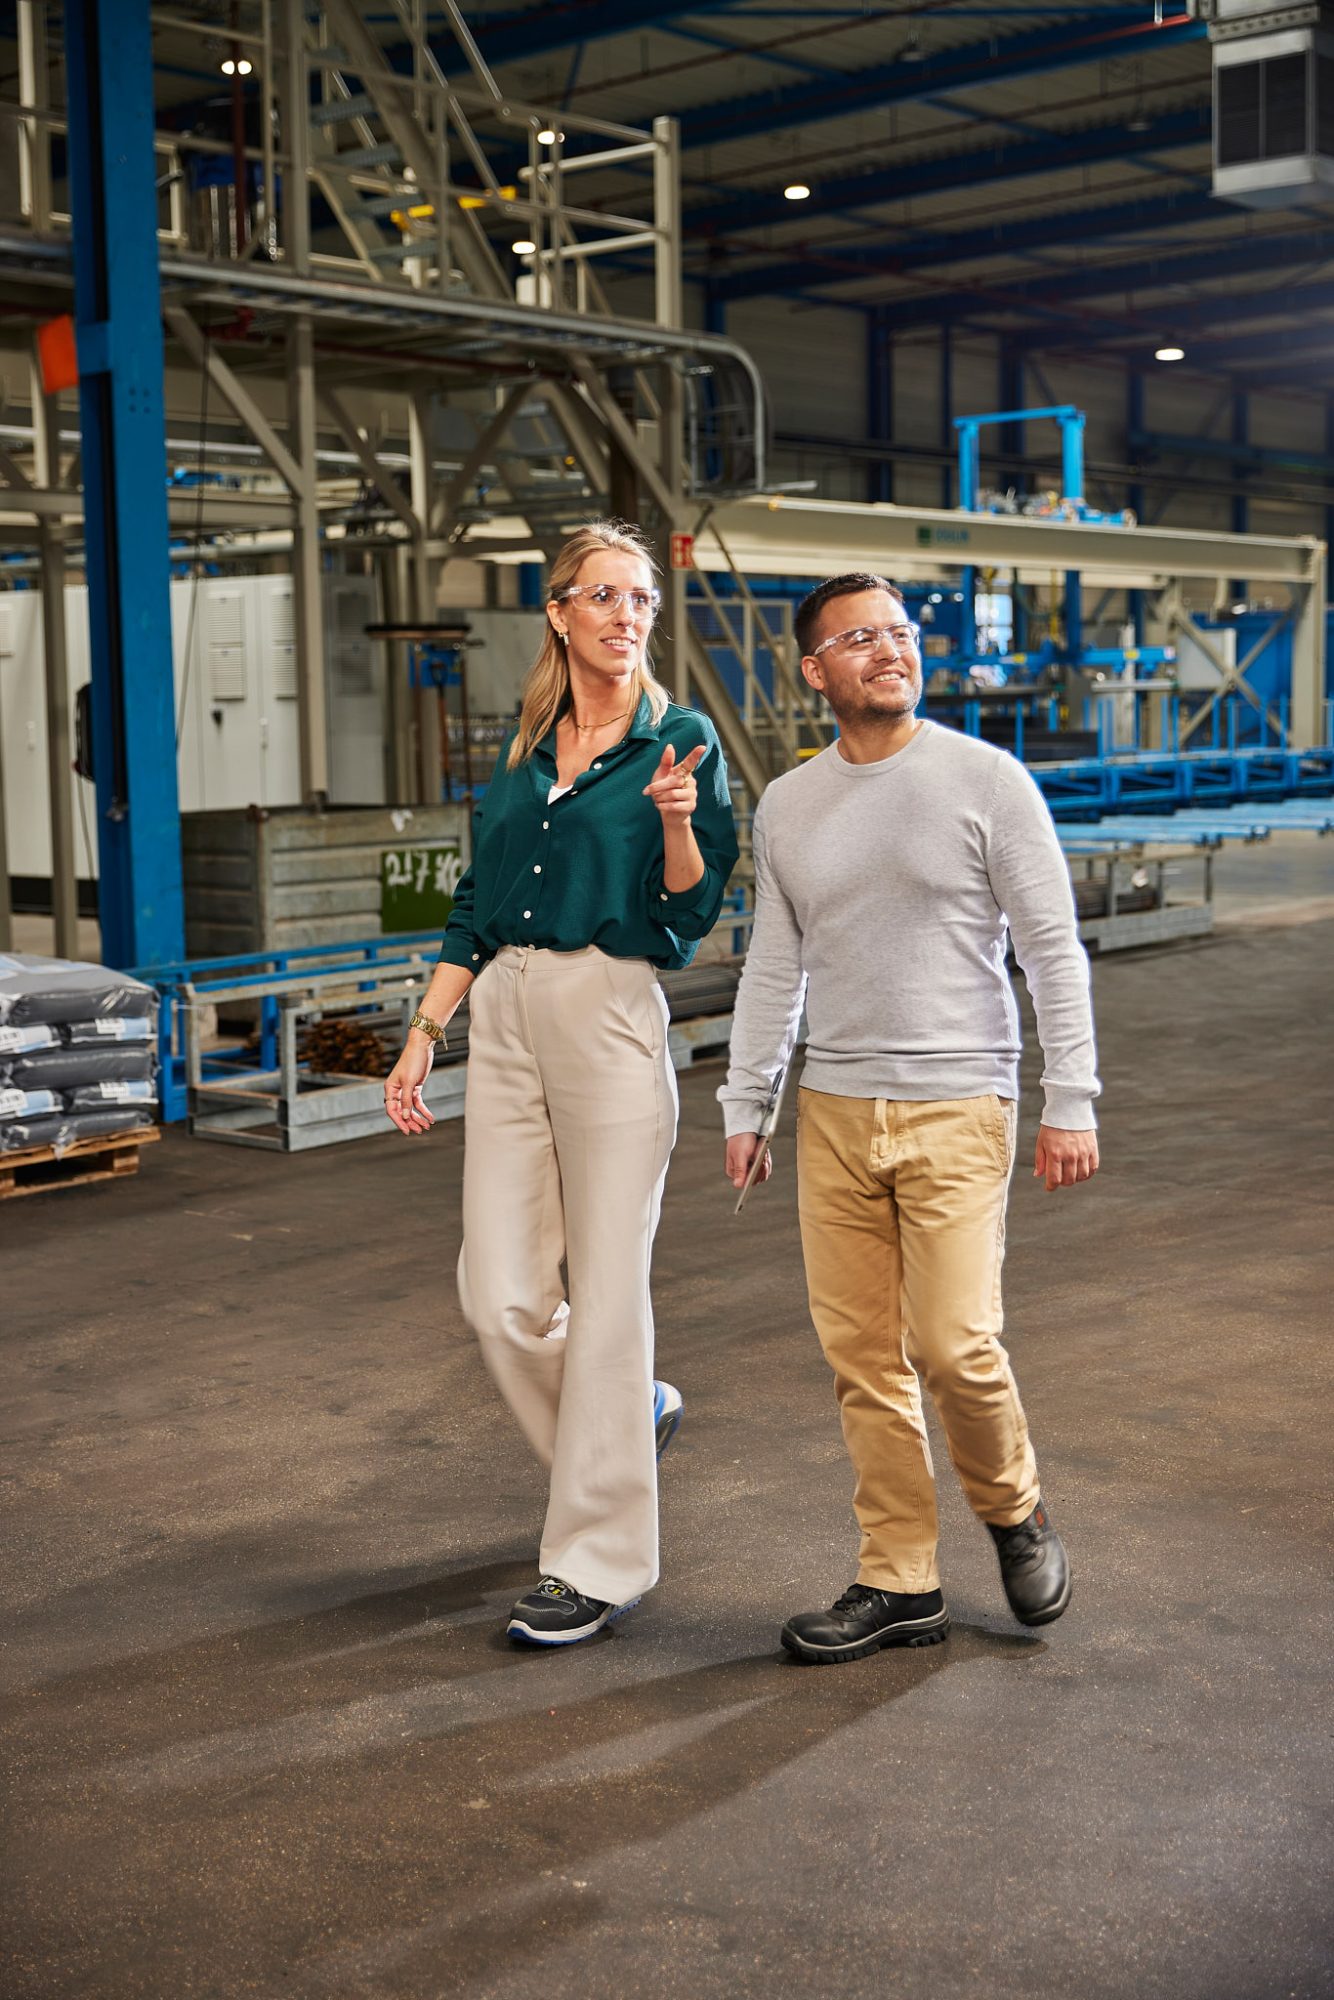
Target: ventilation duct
(1273, 101)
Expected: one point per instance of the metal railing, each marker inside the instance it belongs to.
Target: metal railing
(411, 163)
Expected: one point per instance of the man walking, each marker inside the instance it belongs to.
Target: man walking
(887, 872)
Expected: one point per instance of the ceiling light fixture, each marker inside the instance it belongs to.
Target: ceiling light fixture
(796, 191)
(1169, 354)
(523, 248)
(549, 136)
(243, 68)
(229, 67)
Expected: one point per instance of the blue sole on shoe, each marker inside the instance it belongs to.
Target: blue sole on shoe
(525, 1636)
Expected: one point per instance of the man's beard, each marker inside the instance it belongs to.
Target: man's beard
(864, 707)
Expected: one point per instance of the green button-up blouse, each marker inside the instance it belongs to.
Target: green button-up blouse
(588, 867)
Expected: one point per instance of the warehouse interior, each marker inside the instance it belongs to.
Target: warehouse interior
(321, 328)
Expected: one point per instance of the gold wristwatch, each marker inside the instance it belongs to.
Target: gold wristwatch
(428, 1027)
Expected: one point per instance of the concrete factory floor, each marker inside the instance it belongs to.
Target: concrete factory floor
(265, 1517)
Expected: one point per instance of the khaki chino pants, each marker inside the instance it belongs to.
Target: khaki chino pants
(570, 1119)
(903, 1231)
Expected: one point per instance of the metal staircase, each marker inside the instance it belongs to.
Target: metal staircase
(379, 185)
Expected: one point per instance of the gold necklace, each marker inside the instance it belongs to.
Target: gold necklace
(585, 727)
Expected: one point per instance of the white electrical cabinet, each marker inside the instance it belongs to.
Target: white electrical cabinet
(236, 692)
(237, 729)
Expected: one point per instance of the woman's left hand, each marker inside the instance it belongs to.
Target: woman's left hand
(672, 786)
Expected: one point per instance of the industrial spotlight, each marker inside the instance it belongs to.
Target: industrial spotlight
(1169, 354)
(796, 191)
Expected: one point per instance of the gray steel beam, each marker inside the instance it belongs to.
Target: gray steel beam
(59, 757)
(205, 355)
(34, 92)
(424, 575)
(446, 504)
(614, 418)
(1306, 714)
(817, 537)
(379, 476)
(672, 633)
(307, 602)
(296, 140)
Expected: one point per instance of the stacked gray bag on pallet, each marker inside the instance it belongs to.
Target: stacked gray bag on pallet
(78, 1053)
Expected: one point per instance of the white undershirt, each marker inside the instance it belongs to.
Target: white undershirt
(558, 792)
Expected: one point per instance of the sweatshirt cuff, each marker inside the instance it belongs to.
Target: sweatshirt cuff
(463, 952)
(1068, 1111)
(739, 1118)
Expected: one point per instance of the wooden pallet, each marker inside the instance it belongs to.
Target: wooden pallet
(37, 1170)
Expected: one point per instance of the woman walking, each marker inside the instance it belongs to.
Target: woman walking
(600, 856)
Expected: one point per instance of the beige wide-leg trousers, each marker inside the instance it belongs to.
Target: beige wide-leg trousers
(569, 1124)
(903, 1232)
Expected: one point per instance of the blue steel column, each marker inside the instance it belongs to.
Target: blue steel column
(1135, 498)
(1012, 439)
(879, 402)
(113, 198)
(1241, 511)
(947, 440)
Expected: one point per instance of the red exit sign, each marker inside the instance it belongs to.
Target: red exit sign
(683, 551)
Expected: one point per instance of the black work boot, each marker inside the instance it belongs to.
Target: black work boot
(1034, 1568)
(864, 1620)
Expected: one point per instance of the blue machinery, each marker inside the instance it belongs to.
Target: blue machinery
(1072, 506)
(1071, 422)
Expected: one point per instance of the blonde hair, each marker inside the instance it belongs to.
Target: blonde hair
(546, 689)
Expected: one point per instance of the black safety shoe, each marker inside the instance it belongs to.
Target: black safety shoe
(864, 1620)
(556, 1614)
(1034, 1568)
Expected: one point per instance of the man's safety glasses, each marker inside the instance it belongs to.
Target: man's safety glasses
(861, 642)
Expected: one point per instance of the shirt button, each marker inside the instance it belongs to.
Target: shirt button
(537, 868)
(662, 899)
(545, 824)
(597, 767)
(528, 913)
(476, 955)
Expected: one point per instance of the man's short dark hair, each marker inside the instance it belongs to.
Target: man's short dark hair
(808, 611)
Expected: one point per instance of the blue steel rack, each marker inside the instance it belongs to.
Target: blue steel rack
(193, 979)
(1167, 781)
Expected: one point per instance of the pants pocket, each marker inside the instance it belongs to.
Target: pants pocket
(636, 1001)
(1004, 1122)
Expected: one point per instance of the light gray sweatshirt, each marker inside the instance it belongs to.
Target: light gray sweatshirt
(883, 894)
